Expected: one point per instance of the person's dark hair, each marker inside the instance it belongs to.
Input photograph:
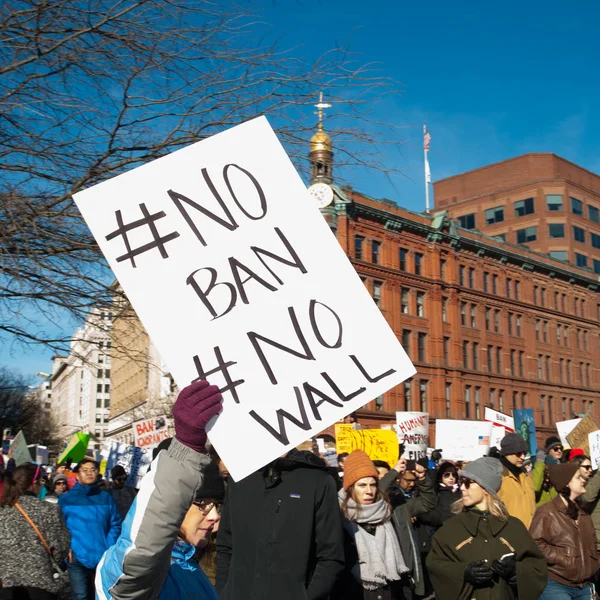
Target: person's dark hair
(382, 464)
(85, 461)
(580, 459)
(341, 456)
(572, 507)
(17, 483)
(118, 471)
(444, 468)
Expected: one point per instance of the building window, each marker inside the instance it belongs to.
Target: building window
(524, 207)
(566, 336)
(461, 275)
(569, 372)
(494, 215)
(543, 408)
(475, 362)
(508, 286)
(107, 388)
(561, 368)
(537, 330)
(554, 201)
(585, 341)
(576, 206)
(420, 304)
(517, 290)
(446, 351)
(485, 281)
(540, 366)
(499, 360)
(580, 260)
(535, 294)
(377, 285)
(448, 398)
(107, 373)
(500, 236)
(463, 314)
(488, 313)
(358, 247)
(556, 230)
(466, 355)
(556, 294)
(559, 255)
(548, 373)
(524, 236)
(593, 214)
(578, 234)
(421, 337)
(497, 321)
(408, 395)
(100, 359)
(545, 331)
(477, 403)
(473, 315)
(518, 320)
(418, 263)
(509, 322)
(595, 240)
(492, 393)
(442, 269)
(99, 374)
(404, 301)
(403, 253)
(375, 246)
(423, 395)
(523, 399)
(467, 401)
(99, 388)
(471, 278)
(558, 334)
(563, 408)
(564, 302)
(98, 402)
(467, 221)
(543, 297)
(550, 415)
(494, 284)
(106, 402)
(444, 308)
(490, 358)
(513, 354)
(406, 341)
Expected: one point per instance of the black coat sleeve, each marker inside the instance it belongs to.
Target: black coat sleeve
(224, 545)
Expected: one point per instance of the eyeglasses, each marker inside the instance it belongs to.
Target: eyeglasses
(464, 481)
(207, 505)
(449, 474)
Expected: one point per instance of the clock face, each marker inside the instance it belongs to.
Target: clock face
(322, 193)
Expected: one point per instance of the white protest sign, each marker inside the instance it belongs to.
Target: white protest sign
(499, 419)
(497, 434)
(594, 442)
(463, 440)
(412, 429)
(237, 278)
(136, 461)
(564, 428)
(149, 433)
(19, 450)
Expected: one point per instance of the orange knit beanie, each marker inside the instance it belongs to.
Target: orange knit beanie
(357, 466)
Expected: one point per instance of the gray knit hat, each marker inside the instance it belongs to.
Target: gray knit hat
(486, 471)
(512, 443)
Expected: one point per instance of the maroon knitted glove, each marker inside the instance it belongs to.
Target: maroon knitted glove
(196, 405)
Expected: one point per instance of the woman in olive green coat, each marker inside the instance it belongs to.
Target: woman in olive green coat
(482, 553)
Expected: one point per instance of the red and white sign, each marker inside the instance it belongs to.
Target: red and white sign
(149, 433)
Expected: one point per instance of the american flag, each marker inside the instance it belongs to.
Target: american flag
(483, 440)
(426, 138)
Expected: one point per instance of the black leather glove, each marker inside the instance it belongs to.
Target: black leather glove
(478, 573)
(507, 569)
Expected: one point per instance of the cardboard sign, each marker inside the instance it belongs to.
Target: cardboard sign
(412, 429)
(499, 419)
(136, 461)
(594, 444)
(379, 444)
(578, 437)
(564, 428)
(238, 279)
(19, 450)
(525, 425)
(463, 440)
(149, 433)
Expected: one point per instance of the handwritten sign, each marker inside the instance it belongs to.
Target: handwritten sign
(379, 444)
(149, 433)
(525, 426)
(594, 444)
(412, 429)
(463, 440)
(136, 461)
(237, 278)
(564, 428)
(578, 437)
(19, 450)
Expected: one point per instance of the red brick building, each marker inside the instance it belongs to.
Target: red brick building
(486, 323)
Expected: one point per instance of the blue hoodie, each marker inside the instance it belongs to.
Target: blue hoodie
(93, 520)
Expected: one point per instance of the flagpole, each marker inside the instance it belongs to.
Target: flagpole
(425, 150)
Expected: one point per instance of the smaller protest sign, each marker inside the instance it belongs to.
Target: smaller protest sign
(136, 461)
(149, 433)
(463, 440)
(379, 444)
(594, 444)
(412, 429)
(564, 428)
(497, 434)
(578, 437)
(499, 419)
(525, 426)
(19, 450)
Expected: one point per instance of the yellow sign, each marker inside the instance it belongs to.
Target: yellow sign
(379, 444)
(103, 467)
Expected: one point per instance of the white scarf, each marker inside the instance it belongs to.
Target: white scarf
(380, 559)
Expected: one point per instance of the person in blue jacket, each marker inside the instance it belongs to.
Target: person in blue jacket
(93, 520)
(174, 513)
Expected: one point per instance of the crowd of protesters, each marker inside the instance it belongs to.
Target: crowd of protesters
(499, 527)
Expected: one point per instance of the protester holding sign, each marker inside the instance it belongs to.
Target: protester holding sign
(448, 493)
(179, 497)
(483, 552)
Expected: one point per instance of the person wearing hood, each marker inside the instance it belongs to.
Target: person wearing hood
(517, 491)
(565, 534)
(280, 534)
(94, 522)
(483, 552)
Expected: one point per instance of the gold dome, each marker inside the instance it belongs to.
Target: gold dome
(320, 141)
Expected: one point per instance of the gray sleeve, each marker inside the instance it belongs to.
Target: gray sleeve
(137, 565)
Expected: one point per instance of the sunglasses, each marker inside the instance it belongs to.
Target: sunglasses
(520, 454)
(557, 449)
(464, 481)
(207, 505)
(61, 483)
(586, 467)
(449, 474)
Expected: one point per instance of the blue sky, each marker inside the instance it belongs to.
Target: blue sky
(492, 81)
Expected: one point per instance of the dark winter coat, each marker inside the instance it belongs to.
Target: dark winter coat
(446, 497)
(23, 559)
(472, 536)
(280, 534)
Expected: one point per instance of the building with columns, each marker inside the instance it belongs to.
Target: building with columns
(486, 322)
